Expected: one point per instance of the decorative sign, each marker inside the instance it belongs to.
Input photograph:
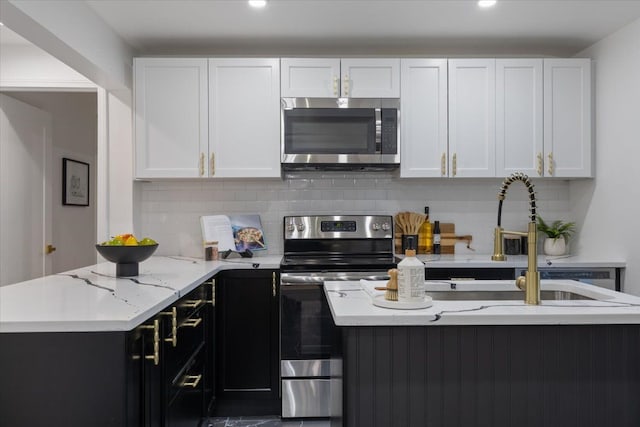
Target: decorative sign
(75, 183)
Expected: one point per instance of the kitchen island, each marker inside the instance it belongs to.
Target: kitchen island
(489, 362)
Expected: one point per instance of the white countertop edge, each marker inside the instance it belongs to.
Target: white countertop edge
(356, 309)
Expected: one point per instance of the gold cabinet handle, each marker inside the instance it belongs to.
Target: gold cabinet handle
(212, 301)
(540, 167)
(345, 84)
(156, 341)
(454, 164)
(201, 166)
(192, 303)
(191, 380)
(273, 283)
(191, 323)
(550, 169)
(49, 249)
(335, 85)
(212, 164)
(443, 164)
(174, 326)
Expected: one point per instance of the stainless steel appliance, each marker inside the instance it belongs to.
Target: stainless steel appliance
(340, 133)
(319, 249)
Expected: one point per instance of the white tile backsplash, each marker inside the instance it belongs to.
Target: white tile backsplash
(170, 211)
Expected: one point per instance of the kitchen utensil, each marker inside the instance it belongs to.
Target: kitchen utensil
(392, 286)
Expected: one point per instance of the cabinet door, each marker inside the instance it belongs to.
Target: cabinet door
(310, 77)
(171, 113)
(370, 78)
(519, 117)
(247, 308)
(567, 117)
(424, 118)
(472, 117)
(245, 118)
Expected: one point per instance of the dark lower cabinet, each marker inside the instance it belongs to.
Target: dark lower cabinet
(161, 374)
(247, 330)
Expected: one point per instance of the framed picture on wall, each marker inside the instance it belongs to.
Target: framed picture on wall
(75, 183)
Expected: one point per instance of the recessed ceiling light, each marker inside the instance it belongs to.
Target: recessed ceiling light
(486, 3)
(257, 3)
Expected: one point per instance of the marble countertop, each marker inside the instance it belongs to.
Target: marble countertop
(93, 299)
(351, 305)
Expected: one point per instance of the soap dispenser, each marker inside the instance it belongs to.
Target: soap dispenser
(411, 276)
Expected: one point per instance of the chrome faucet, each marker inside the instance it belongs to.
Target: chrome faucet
(530, 282)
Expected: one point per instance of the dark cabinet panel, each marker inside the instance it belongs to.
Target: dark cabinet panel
(248, 346)
(469, 273)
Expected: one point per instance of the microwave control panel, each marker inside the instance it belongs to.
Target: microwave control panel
(389, 117)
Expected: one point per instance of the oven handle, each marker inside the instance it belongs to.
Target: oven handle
(290, 279)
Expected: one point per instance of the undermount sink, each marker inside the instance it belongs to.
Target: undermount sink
(515, 295)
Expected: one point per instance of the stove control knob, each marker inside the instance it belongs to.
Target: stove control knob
(386, 226)
(375, 226)
(300, 227)
(291, 228)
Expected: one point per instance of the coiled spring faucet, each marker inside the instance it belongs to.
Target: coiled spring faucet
(530, 282)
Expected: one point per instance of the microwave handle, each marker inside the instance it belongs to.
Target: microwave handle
(378, 115)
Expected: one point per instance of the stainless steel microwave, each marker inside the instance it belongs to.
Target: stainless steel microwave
(340, 133)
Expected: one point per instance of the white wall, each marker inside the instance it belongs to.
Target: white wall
(74, 136)
(170, 211)
(608, 208)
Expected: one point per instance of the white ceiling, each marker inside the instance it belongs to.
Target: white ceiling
(383, 27)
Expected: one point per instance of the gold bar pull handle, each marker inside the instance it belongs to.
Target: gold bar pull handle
(156, 342)
(212, 164)
(191, 380)
(174, 326)
(550, 169)
(335, 85)
(454, 164)
(191, 323)
(540, 167)
(345, 85)
(201, 165)
(212, 301)
(192, 303)
(443, 164)
(273, 283)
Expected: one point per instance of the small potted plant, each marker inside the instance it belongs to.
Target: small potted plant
(557, 234)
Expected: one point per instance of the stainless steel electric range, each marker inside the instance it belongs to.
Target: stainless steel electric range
(319, 249)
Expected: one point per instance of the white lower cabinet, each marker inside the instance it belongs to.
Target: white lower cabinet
(244, 122)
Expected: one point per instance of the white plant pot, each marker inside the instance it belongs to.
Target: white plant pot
(555, 247)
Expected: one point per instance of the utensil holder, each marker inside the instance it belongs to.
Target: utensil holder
(409, 241)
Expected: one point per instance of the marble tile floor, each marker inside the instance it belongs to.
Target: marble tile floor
(264, 422)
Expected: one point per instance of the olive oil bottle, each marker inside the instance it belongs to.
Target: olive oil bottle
(425, 235)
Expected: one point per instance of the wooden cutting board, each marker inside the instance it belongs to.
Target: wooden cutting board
(447, 239)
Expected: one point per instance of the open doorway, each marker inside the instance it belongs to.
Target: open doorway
(73, 136)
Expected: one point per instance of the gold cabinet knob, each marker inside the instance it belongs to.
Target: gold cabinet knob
(49, 249)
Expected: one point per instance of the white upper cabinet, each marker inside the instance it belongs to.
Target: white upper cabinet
(370, 78)
(519, 117)
(472, 117)
(310, 77)
(567, 118)
(244, 124)
(333, 78)
(423, 105)
(171, 109)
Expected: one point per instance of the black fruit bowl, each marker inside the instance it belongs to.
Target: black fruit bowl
(126, 257)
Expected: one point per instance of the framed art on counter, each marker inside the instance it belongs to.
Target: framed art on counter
(75, 182)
